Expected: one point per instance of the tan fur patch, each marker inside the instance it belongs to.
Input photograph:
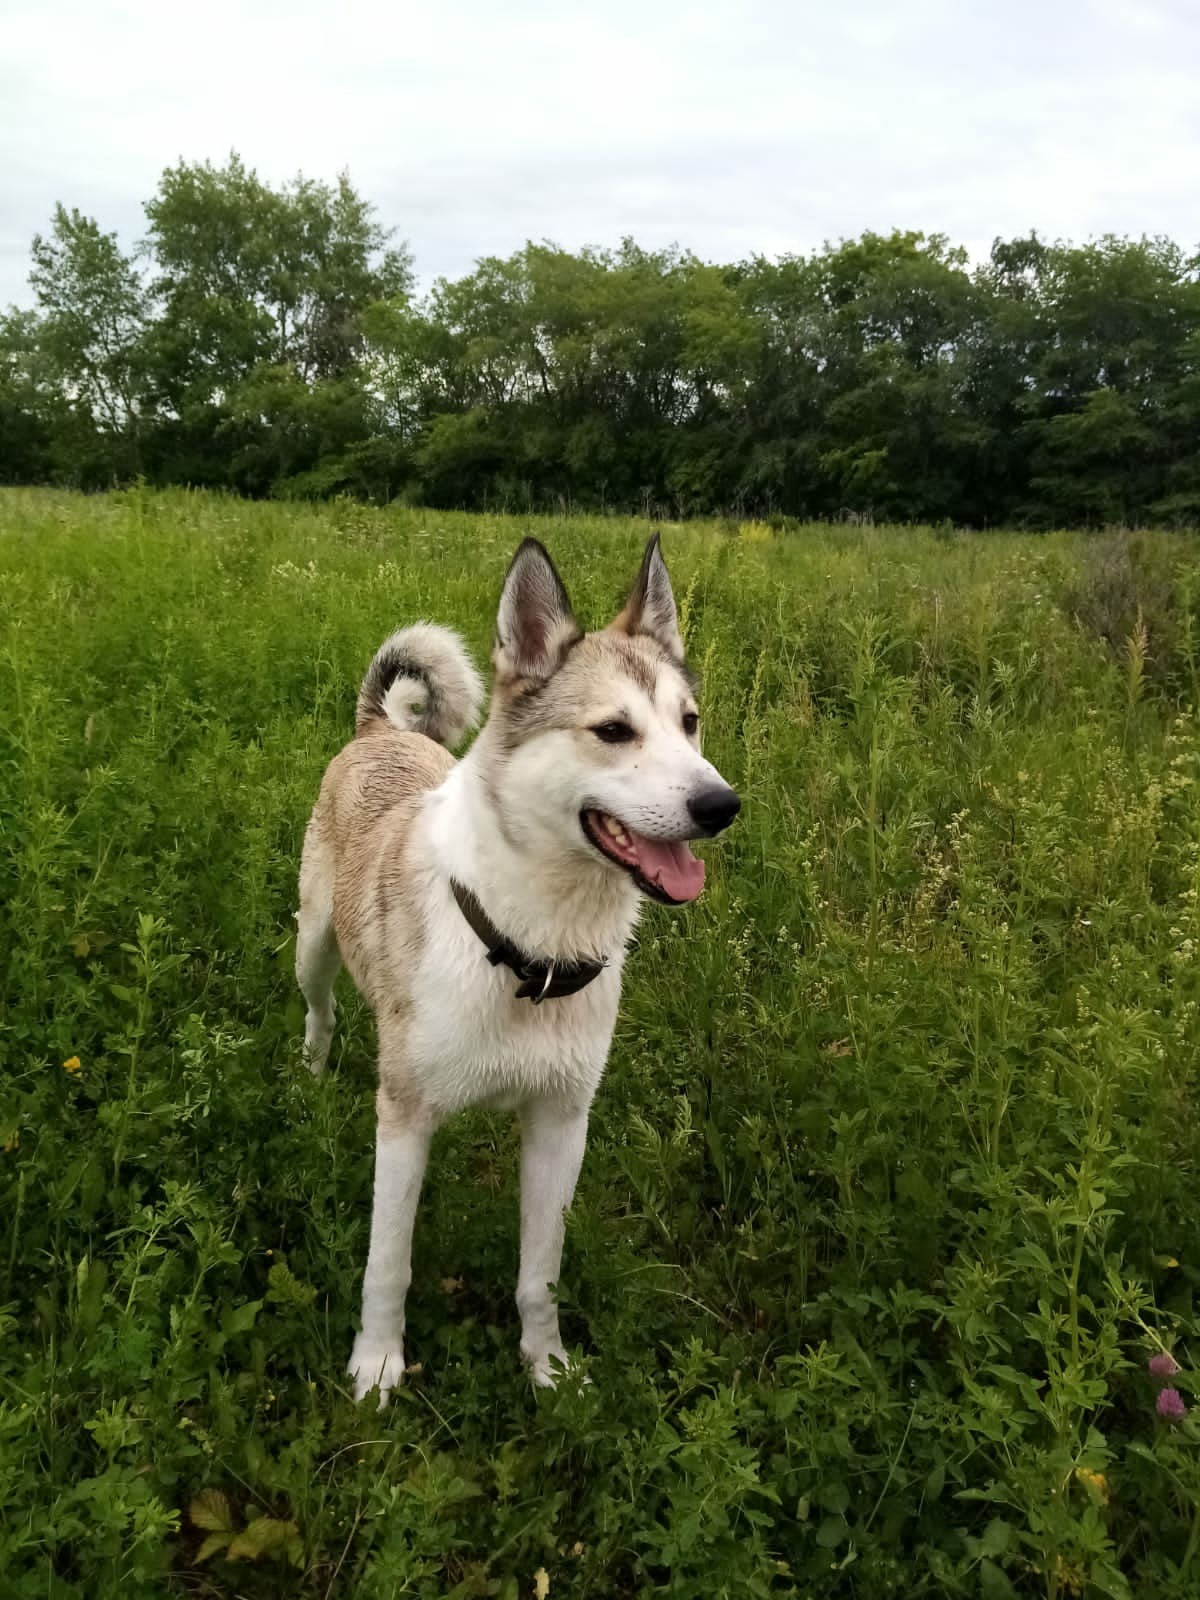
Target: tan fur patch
(599, 662)
(359, 836)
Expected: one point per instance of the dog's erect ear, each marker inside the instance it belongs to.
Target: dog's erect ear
(535, 625)
(650, 609)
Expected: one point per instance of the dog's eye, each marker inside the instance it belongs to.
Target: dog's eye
(690, 723)
(614, 732)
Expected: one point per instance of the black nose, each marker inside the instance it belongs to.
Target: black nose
(714, 808)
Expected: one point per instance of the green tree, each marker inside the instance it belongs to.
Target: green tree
(1179, 501)
(595, 377)
(262, 295)
(30, 408)
(1112, 368)
(897, 433)
(275, 347)
(92, 332)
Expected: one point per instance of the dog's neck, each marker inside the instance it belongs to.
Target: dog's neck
(553, 906)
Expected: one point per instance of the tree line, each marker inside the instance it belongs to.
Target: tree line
(270, 341)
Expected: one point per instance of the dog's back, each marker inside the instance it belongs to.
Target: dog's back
(420, 693)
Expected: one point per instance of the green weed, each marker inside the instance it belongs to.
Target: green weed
(892, 1186)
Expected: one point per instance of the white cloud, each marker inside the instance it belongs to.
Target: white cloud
(729, 127)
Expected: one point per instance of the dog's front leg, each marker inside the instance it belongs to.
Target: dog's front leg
(401, 1150)
(553, 1134)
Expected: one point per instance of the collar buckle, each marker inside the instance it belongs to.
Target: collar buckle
(539, 980)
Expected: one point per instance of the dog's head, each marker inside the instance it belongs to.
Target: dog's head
(595, 738)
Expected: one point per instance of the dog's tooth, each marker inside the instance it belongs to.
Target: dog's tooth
(614, 827)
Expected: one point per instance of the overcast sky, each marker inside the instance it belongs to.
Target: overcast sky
(768, 125)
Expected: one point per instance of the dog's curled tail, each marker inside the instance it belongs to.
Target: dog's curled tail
(422, 681)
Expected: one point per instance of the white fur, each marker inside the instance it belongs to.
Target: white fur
(378, 1355)
(646, 786)
(405, 701)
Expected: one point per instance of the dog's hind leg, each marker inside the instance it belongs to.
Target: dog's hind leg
(401, 1149)
(318, 959)
(553, 1135)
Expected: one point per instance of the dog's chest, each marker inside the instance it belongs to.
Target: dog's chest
(473, 1042)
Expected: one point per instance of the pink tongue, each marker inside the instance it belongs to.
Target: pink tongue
(671, 865)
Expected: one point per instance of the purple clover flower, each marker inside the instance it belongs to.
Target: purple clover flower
(1163, 1365)
(1170, 1406)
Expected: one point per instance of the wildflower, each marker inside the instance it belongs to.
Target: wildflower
(1163, 1365)
(73, 1065)
(1096, 1481)
(1170, 1405)
(1069, 1575)
(12, 1141)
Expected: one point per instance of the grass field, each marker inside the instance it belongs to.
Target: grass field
(892, 1191)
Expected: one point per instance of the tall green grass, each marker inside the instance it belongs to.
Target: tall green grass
(892, 1187)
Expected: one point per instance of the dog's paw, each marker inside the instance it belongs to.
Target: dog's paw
(315, 1060)
(375, 1366)
(550, 1368)
(318, 1036)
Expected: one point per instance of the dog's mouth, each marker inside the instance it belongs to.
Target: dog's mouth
(664, 869)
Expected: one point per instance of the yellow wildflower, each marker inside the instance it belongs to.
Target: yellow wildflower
(11, 1141)
(73, 1065)
(1069, 1575)
(1095, 1481)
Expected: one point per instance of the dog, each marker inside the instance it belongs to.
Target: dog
(483, 906)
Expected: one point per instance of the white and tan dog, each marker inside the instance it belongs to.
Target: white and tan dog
(483, 907)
